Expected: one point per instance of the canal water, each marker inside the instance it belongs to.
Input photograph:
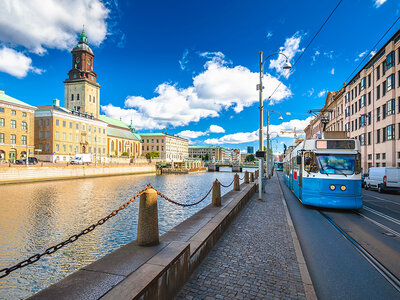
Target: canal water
(35, 216)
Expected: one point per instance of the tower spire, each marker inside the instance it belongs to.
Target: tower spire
(83, 37)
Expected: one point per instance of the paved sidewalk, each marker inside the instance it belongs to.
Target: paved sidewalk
(255, 258)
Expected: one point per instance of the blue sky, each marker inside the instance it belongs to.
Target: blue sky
(191, 67)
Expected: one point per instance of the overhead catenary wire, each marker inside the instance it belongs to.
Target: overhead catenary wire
(309, 43)
(372, 49)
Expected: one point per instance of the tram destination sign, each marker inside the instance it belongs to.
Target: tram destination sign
(335, 144)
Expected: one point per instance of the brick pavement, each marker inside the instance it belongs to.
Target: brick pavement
(254, 259)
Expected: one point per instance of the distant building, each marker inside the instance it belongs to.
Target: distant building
(16, 128)
(214, 153)
(250, 149)
(236, 155)
(170, 147)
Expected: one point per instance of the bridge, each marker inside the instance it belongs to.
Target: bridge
(214, 167)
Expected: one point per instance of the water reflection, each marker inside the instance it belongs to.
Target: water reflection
(36, 216)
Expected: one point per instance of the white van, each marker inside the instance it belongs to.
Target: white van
(383, 179)
(81, 159)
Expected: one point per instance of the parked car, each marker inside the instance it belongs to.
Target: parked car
(81, 159)
(31, 161)
(363, 178)
(383, 179)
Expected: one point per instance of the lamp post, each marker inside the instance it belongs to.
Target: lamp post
(261, 134)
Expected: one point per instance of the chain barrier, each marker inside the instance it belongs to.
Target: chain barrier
(183, 204)
(226, 186)
(34, 258)
(241, 178)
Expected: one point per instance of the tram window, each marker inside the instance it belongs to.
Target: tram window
(310, 163)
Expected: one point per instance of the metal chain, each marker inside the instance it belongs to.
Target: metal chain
(241, 178)
(226, 186)
(34, 258)
(182, 204)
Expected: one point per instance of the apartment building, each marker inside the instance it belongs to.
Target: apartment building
(214, 153)
(16, 128)
(368, 108)
(170, 147)
(61, 133)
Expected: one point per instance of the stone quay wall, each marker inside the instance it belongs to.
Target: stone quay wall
(36, 173)
(158, 271)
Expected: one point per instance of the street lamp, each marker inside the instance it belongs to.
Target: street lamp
(261, 134)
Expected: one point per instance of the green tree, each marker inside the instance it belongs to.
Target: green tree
(206, 157)
(152, 154)
(250, 158)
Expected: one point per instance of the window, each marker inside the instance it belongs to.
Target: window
(57, 135)
(378, 92)
(2, 120)
(383, 68)
(362, 139)
(57, 122)
(383, 155)
(93, 102)
(369, 80)
(390, 107)
(47, 134)
(347, 127)
(40, 134)
(363, 100)
(13, 139)
(1, 138)
(384, 88)
(23, 139)
(64, 124)
(378, 75)
(362, 121)
(77, 126)
(390, 132)
(90, 128)
(70, 125)
(13, 112)
(384, 136)
(389, 60)
(390, 82)
(24, 114)
(369, 98)
(83, 127)
(72, 97)
(64, 136)
(347, 97)
(383, 111)
(352, 109)
(378, 156)
(378, 136)
(369, 156)
(13, 124)
(47, 122)
(90, 98)
(70, 137)
(1, 109)
(378, 165)
(363, 83)
(355, 124)
(64, 148)
(369, 138)
(24, 125)
(70, 148)
(369, 118)
(378, 114)
(77, 96)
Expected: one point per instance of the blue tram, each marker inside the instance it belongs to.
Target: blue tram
(279, 166)
(325, 172)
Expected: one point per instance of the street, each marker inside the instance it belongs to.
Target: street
(351, 254)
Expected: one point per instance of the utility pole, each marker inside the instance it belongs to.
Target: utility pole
(261, 133)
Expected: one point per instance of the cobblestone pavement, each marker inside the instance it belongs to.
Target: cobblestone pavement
(254, 259)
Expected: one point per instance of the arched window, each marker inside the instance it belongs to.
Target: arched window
(93, 99)
(90, 98)
(112, 146)
(72, 97)
(77, 96)
(119, 146)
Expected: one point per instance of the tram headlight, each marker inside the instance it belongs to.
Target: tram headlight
(332, 187)
(343, 188)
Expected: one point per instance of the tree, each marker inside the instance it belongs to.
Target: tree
(152, 154)
(250, 158)
(206, 157)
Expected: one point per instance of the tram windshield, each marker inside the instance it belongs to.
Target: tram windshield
(338, 164)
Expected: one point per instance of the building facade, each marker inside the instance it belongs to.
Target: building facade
(60, 134)
(121, 139)
(170, 147)
(368, 107)
(16, 128)
(214, 153)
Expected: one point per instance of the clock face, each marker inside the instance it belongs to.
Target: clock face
(78, 60)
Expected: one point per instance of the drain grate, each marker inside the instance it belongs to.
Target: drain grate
(388, 234)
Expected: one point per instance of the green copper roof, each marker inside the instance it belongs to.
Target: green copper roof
(82, 36)
(121, 133)
(114, 122)
(137, 136)
(205, 147)
(152, 134)
(6, 98)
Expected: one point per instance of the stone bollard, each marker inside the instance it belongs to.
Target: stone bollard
(251, 177)
(216, 194)
(246, 177)
(236, 184)
(147, 232)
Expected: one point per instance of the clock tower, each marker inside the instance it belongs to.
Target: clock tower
(82, 92)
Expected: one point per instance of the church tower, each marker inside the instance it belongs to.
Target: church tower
(82, 92)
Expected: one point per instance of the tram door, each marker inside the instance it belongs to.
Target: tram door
(301, 178)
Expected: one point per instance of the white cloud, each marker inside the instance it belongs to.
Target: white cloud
(16, 63)
(309, 93)
(189, 134)
(361, 55)
(216, 129)
(290, 49)
(269, 35)
(40, 24)
(379, 2)
(315, 56)
(373, 53)
(217, 88)
(322, 93)
(184, 60)
(333, 71)
(247, 137)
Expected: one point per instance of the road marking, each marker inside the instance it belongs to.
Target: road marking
(380, 225)
(382, 215)
(382, 199)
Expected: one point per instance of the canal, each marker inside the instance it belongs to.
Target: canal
(35, 216)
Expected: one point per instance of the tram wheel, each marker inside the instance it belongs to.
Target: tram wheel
(380, 189)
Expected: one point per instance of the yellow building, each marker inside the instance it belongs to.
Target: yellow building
(16, 128)
(170, 147)
(60, 134)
